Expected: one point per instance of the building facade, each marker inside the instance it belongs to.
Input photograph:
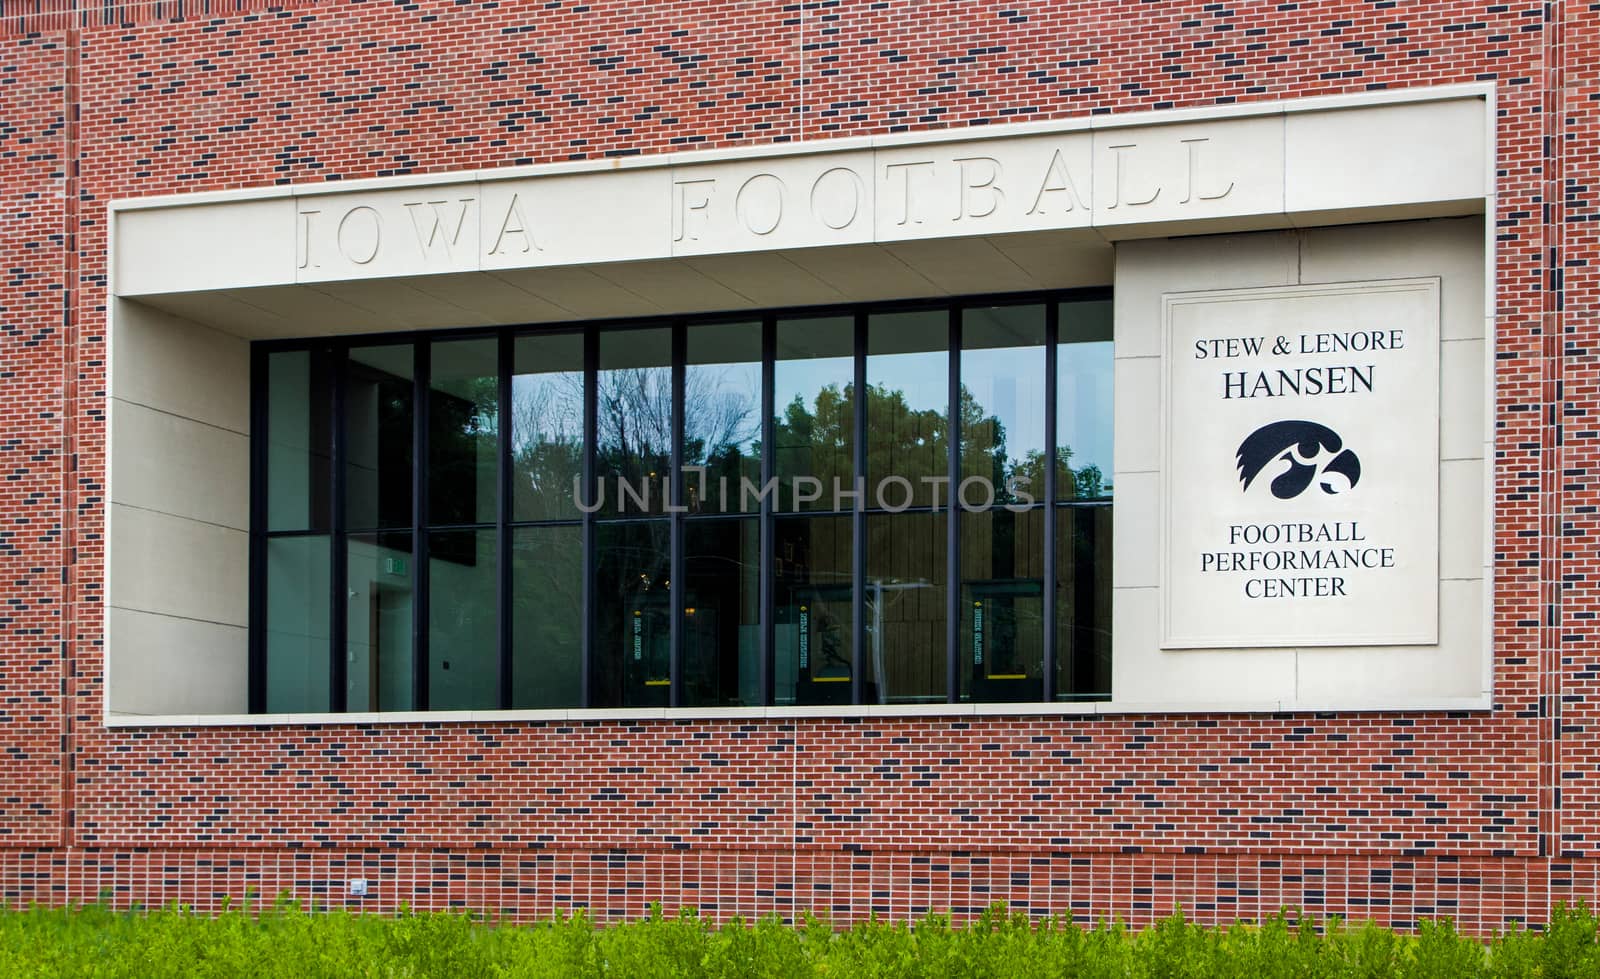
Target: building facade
(856, 458)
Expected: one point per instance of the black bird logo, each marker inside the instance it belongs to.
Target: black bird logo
(1301, 444)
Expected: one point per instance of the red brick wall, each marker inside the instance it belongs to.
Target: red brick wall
(1483, 816)
(1575, 233)
(33, 281)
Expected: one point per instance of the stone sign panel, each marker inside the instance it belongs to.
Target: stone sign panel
(1301, 476)
(1168, 172)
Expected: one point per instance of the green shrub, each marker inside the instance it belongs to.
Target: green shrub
(294, 943)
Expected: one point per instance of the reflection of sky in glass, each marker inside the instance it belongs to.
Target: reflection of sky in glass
(547, 391)
(1008, 384)
(908, 352)
(635, 392)
(807, 377)
(797, 372)
(907, 356)
(546, 425)
(1083, 404)
(547, 409)
(1084, 384)
(722, 387)
(921, 377)
(722, 406)
(723, 390)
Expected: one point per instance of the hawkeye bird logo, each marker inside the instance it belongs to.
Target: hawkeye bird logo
(1315, 453)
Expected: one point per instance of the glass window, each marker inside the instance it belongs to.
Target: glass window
(814, 403)
(633, 450)
(547, 616)
(904, 612)
(463, 629)
(1083, 602)
(564, 595)
(1083, 401)
(908, 398)
(378, 436)
(632, 614)
(722, 418)
(463, 432)
(546, 426)
(721, 622)
(1003, 400)
(813, 641)
(379, 623)
(1001, 648)
(297, 634)
(299, 439)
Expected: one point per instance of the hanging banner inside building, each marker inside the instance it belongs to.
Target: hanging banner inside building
(1301, 475)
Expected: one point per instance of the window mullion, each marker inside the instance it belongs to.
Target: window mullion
(1052, 329)
(858, 522)
(504, 367)
(257, 643)
(346, 381)
(338, 576)
(591, 424)
(768, 544)
(422, 380)
(952, 578)
(675, 591)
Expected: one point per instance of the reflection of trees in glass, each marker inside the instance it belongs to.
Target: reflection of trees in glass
(463, 430)
(1084, 483)
(816, 442)
(633, 433)
(722, 429)
(546, 443)
(911, 443)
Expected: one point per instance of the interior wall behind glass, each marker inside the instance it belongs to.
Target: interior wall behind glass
(721, 622)
(813, 628)
(1083, 602)
(633, 440)
(814, 404)
(379, 623)
(632, 614)
(463, 628)
(908, 399)
(1001, 646)
(299, 439)
(379, 436)
(722, 417)
(905, 611)
(546, 425)
(297, 612)
(1083, 401)
(547, 616)
(463, 432)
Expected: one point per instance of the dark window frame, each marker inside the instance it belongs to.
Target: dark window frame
(505, 524)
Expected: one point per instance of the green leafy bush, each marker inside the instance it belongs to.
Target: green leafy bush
(286, 941)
